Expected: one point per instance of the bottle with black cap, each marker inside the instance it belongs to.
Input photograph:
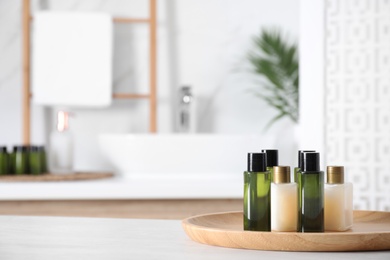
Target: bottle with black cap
(257, 194)
(272, 160)
(311, 206)
(297, 173)
(299, 167)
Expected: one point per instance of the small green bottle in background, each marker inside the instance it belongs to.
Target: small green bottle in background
(311, 188)
(257, 194)
(11, 161)
(43, 159)
(272, 160)
(4, 161)
(36, 158)
(299, 167)
(19, 160)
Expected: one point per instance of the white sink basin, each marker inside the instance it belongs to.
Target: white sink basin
(181, 155)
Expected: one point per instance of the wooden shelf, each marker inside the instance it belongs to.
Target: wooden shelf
(128, 95)
(124, 96)
(27, 18)
(130, 20)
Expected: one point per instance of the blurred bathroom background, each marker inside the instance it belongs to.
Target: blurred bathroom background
(344, 49)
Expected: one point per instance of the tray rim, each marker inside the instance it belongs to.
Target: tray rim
(188, 226)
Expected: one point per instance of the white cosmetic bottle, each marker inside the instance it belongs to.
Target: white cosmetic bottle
(61, 146)
(338, 209)
(284, 201)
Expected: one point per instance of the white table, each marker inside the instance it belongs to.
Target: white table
(91, 238)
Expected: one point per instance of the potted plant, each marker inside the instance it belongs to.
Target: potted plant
(275, 60)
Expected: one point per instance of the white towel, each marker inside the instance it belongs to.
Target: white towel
(72, 59)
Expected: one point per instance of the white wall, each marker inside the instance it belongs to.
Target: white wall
(202, 43)
(358, 95)
(345, 51)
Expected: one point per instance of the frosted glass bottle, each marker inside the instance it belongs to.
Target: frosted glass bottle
(284, 201)
(338, 208)
(257, 191)
(61, 146)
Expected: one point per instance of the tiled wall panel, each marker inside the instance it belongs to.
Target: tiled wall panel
(358, 96)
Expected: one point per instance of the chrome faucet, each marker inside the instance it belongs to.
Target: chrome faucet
(185, 119)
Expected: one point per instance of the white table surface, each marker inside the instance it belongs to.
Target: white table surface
(92, 238)
(157, 187)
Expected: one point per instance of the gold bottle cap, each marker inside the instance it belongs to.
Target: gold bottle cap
(335, 174)
(281, 174)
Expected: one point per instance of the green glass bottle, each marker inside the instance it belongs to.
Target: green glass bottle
(272, 160)
(257, 194)
(297, 172)
(4, 161)
(20, 160)
(311, 189)
(36, 160)
(43, 159)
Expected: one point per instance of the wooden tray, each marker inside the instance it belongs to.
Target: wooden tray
(371, 231)
(56, 177)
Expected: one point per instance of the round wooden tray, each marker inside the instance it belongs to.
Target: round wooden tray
(371, 231)
(56, 177)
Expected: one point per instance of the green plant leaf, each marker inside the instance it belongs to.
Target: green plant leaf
(275, 60)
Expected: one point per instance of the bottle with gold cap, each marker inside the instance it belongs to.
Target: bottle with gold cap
(284, 201)
(338, 200)
(257, 192)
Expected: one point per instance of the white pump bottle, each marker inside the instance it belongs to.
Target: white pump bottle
(61, 146)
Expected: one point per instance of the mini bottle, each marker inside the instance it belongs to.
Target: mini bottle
(36, 158)
(299, 167)
(61, 146)
(19, 160)
(311, 189)
(257, 191)
(4, 161)
(297, 171)
(338, 200)
(284, 201)
(272, 160)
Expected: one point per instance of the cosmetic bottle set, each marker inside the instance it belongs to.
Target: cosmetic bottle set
(24, 159)
(273, 203)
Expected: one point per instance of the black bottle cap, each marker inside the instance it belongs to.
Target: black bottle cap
(300, 156)
(311, 162)
(21, 148)
(36, 148)
(272, 157)
(257, 162)
(3, 149)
